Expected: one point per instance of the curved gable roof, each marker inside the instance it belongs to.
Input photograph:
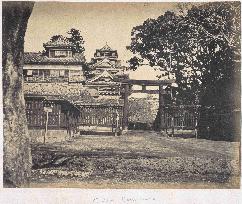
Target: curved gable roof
(104, 63)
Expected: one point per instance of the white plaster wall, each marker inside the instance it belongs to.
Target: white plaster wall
(63, 67)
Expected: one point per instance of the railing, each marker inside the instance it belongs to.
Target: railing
(46, 79)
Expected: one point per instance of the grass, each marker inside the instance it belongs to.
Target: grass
(137, 159)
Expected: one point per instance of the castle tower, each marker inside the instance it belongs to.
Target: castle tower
(107, 72)
(105, 52)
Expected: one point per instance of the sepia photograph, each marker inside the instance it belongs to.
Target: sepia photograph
(131, 95)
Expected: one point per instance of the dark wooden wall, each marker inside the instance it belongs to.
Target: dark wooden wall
(62, 116)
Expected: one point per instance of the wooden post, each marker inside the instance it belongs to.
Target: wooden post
(143, 88)
(59, 116)
(68, 123)
(172, 122)
(196, 127)
(47, 110)
(117, 123)
(46, 125)
(161, 109)
(196, 121)
(126, 107)
(183, 119)
(43, 75)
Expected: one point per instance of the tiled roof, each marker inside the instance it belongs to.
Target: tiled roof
(106, 48)
(39, 58)
(104, 74)
(59, 42)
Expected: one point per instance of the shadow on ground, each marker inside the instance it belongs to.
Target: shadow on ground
(136, 158)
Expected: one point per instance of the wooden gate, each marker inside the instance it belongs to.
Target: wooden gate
(100, 118)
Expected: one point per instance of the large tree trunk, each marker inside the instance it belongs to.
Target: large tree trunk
(16, 145)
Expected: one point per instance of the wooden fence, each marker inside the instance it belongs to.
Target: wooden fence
(181, 117)
(217, 123)
(101, 115)
(36, 116)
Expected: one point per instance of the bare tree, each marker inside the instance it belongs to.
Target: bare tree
(16, 145)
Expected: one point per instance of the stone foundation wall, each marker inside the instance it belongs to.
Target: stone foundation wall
(53, 88)
(143, 110)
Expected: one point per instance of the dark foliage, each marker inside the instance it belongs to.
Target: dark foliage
(77, 40)
(55, 37)
(201, 47)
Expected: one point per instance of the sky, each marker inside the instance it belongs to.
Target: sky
(98, 22)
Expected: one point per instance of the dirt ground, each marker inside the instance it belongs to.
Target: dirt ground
(138, 159)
